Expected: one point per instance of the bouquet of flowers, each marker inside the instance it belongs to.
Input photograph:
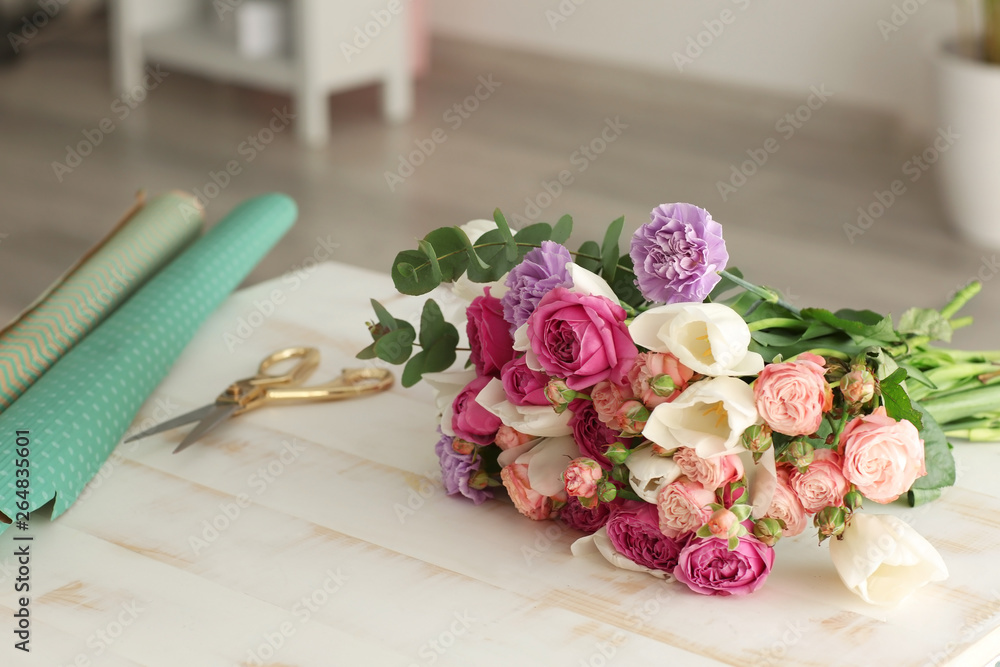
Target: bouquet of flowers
(680, 415)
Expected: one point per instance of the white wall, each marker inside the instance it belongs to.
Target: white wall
(784, 45)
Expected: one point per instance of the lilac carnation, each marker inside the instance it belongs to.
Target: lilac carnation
(456, 469)
(678, 254)
(540, 271)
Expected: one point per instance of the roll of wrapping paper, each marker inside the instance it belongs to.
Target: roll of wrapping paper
(76, 413)
(147, 238)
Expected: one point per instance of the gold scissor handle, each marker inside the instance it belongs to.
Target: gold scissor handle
(351, 383)
(308, 362)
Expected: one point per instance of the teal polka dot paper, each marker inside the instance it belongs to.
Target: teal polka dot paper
(78, 411)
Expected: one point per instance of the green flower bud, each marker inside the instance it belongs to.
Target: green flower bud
(768, 530)
(800, 454)
(758, 440)
(853, 500)
(617, 452)
(830, 521)
(663, 385)
(479, 480)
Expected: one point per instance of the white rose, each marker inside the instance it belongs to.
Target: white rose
(883, 559)
(709, 417)
(464, 288)
(540, 420)
(648, 472)
(709, 338)
(447, 386)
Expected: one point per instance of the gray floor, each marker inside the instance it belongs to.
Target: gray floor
(679, 138)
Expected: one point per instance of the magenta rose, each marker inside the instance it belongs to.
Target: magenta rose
(522, 385)
(489, 335)
(589, 521)
(634, 530)
(470, 420)
(581, 338)
(591, 434)
(708, 567)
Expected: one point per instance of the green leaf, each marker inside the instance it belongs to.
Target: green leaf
(431, 253)
(367, 353)
(533, 235)
(510, 247)
(925, 322)
(432, 323)
(863, 326)
(916, 497)
(609, 249)
(471, 254)
(585, 254)
(918, 375)
(741, 511)
(733, 543)
(897, 401)
(414, 370)
(492, 251)
(704, 532)
(563, 229)
(412, 273)
(938, 459)
(396, 346)
(624, 284)
(384, 317)
(452, 246)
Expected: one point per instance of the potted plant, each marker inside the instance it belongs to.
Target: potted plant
(967, 76)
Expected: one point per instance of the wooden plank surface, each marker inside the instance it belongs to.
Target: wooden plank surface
(320, 535)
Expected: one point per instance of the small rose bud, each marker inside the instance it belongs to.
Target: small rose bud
(768, 530)
(732, 493)
(508, 438)
(757, 439)
(663, 385)
(858, 386)
(853, 500)
(721, 523)
(617, 452)
(630, 418)
(462, 446)
(800, 454)
(479, 480)
(559, 395)
(607, 492)
(830, 522)
(582, 476)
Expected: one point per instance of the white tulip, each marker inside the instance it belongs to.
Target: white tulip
(540, 420)
(883, 560)
(709, 338)
(600, 543)
(547, 461)
(447, 386)
(588, 282)
(709, 416)
(648, 472)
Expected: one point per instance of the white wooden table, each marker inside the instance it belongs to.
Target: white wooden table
(319, 535)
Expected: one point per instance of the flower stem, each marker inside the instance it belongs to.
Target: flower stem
(961, 297)
(777, 323)
(764, 293)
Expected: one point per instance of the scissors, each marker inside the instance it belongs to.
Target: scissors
(265, 388)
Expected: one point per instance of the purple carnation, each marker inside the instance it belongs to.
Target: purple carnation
(540, 271)
(456, 469)
(678, 255)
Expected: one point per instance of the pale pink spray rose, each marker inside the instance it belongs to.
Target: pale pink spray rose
(683, 507)
(793, 395)
(528, 502)
(509, 438)
(882, 456)
(721, 522)
(608, 397)
(651, 365)
(711, 473)
(785, 506)
(581, 477)
(822, 484)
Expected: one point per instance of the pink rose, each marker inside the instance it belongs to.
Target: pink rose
(489, 335)
(634, 532)
(710, 473)
(607, 398)
(882, 456)
(528, 502)
(683, 506)
(785, 505)
(590, 434)
(581, 338)
(822, 484)
(793, 395)
(581, 477)
(708, 567)
(630, 418)
(589, 521)
(652, 365)
(471, 421)
(508, 438)
(522, 385)
(721, 522)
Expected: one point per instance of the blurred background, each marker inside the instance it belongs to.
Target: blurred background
(832, 140)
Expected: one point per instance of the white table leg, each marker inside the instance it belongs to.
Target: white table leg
(313, 122)
(127, 60)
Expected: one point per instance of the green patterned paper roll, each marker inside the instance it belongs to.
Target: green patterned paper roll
(134, 252)
(77, 412)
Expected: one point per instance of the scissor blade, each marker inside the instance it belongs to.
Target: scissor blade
(186, 418)
(216, 416)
